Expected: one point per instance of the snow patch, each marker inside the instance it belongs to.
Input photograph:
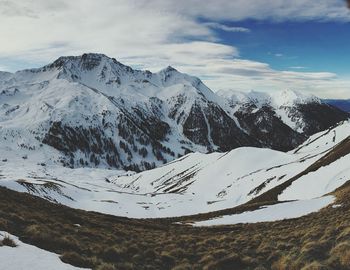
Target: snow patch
(280, 211)
(25, 257)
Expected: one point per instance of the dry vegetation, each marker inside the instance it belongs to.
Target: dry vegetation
(8, 241)
(317, 241)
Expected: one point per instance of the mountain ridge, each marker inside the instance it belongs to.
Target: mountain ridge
(94, 111)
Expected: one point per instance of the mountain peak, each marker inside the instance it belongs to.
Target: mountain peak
(169, 69)
(4, 75)
(290, 97)
(85, 61)
(277, 99)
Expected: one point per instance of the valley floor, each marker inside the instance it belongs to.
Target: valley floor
(319, 240)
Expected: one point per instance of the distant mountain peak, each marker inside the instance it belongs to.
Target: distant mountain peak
(291, 97)
(86, 61)
(169, 69)
(283, 98)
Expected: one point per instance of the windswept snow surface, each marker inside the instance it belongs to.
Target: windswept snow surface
(284, 210)
(200, 183)
(327, 178)
(25, 257)
(324, 140)
(323, 181)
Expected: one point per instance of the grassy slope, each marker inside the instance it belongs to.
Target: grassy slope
(321, 239)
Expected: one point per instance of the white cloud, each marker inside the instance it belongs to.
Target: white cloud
(298, 67)
(226, 28)
(246, 75)
(278, 10)
(155, 33)
(12, 9)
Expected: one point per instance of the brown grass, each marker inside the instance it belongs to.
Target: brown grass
(8, 241)
(318, 241)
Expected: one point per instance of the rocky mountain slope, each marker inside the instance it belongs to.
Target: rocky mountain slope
(281, 120)
(92, 111)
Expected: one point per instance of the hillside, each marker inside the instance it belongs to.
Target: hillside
(88, 239)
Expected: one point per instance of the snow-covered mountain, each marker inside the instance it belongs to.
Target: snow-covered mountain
(92, 111)
(196, 182)
(284, 119)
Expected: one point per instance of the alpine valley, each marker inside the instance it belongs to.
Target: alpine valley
(159, 158)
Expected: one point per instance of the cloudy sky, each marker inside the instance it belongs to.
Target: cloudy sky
(264, 45)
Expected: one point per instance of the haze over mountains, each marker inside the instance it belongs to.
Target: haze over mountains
(92, 111)
(343, 104)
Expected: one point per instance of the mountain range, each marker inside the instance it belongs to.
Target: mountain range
(93, 111)
(116, 168)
